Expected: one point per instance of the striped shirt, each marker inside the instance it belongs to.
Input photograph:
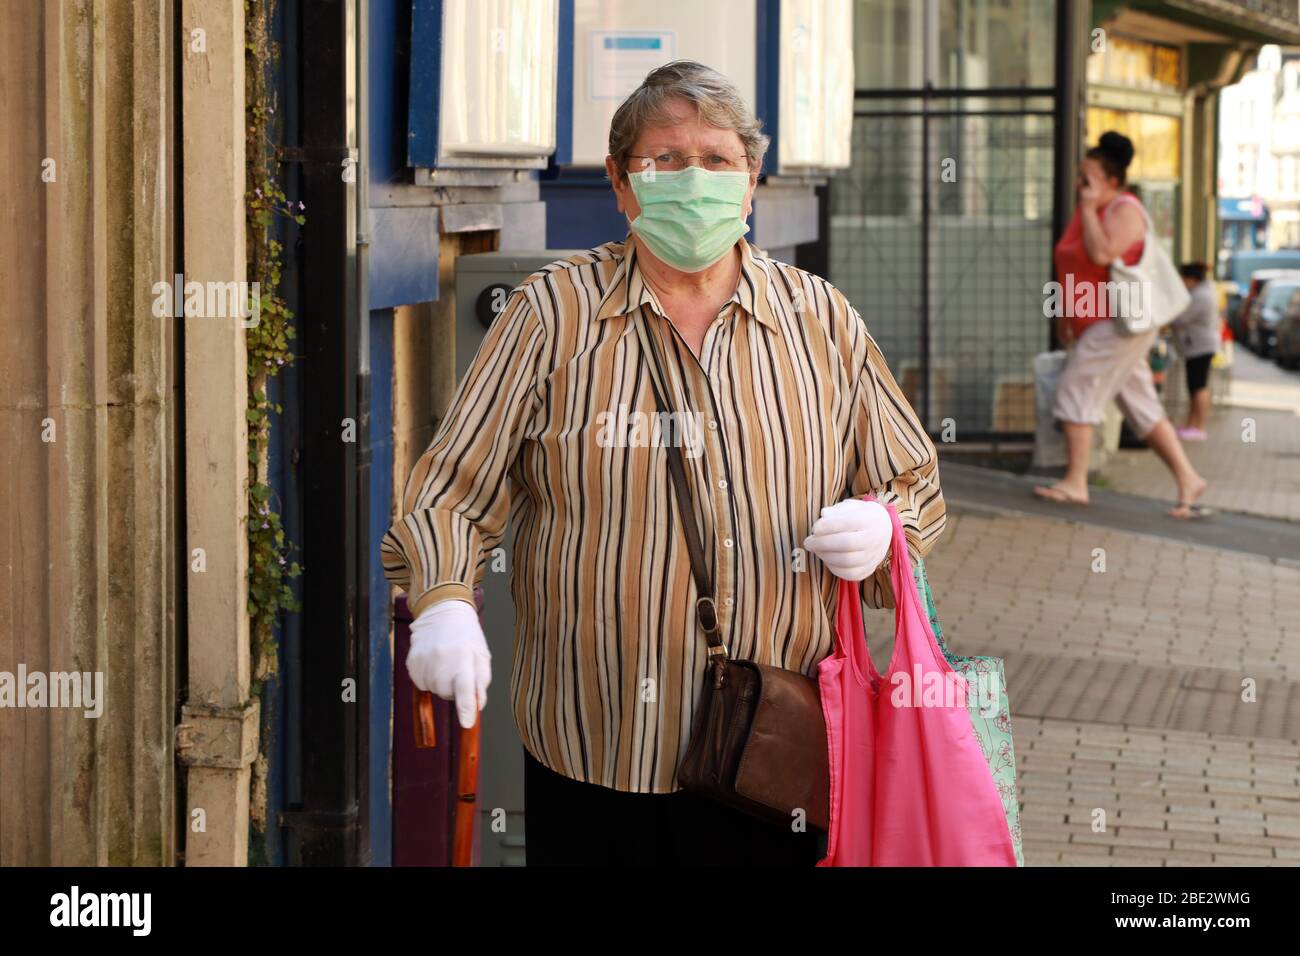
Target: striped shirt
(790, 407)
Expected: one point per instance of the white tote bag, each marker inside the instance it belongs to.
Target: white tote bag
(1150, 293)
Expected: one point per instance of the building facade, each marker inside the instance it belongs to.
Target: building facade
(1259, 152)
(971, 117)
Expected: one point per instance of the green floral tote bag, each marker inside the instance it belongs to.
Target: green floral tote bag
(989, 710)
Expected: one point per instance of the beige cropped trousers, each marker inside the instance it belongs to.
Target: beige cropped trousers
(1103, 364)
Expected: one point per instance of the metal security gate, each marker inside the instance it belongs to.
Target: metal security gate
(941, 235)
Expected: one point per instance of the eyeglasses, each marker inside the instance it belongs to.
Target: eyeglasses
(671, 161)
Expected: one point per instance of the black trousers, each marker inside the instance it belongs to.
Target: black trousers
(571, 823)
(1198, 372)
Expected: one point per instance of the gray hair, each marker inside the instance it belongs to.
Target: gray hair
(716, 97)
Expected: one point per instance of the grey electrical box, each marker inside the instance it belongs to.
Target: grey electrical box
(483, 281)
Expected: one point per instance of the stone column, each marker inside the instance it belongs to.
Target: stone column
(218, 736)
(87, 529)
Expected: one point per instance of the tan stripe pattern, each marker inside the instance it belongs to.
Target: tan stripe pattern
(554, 426)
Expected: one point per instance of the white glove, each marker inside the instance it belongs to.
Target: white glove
(449, 656)
(852, 538)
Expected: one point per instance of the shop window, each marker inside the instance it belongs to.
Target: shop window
(1157, 140)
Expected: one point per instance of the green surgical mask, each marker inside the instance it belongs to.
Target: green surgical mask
(690, 218)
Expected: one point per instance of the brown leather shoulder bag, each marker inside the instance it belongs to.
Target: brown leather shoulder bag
(758, 742)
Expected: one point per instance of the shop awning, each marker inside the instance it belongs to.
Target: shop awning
(1250, 21)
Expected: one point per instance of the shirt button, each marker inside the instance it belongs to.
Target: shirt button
(729, 602)
(726, 542)
(722, 482)
(713, 425)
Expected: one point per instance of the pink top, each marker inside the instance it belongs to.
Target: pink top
(1088, 301)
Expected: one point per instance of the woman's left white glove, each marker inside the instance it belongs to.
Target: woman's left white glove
(852, 538)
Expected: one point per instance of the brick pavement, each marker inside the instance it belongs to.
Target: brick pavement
(1013, 584)
(1165, 798)
(1185, 772)
(1259, 477)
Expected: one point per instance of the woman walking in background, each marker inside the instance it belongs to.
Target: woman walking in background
(1197, 333)
(1102, 363)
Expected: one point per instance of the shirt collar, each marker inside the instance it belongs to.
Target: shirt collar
(628, 289)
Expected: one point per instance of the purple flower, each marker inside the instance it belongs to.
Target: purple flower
(258, 192)
(301, 204)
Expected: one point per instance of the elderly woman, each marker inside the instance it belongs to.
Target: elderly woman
(790, 414)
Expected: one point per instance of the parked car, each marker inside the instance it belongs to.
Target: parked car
(1236, 272)
(1287, 350)
(1266, 312)
(1239, 321)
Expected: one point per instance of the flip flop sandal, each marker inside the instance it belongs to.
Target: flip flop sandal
(1194, 512)
(1049, 493)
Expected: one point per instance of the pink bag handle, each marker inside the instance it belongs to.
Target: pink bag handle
(848, 611)
(848, 620)
(900, 569)
(848, 608)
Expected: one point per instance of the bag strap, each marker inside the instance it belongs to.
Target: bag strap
(1130, 198)
(905, 592)
(848, 625)
(706, 610)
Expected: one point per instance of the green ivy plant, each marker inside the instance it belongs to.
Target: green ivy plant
(270, 561)
(268, 342)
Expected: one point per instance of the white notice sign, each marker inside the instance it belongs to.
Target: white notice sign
(620, 59)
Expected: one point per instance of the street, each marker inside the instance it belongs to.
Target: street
(1134, 744)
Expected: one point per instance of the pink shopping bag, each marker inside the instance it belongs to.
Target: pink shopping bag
(909, 783)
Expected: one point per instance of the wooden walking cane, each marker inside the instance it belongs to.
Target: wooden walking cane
(463, 828)
(462, 839)
(425, 730)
